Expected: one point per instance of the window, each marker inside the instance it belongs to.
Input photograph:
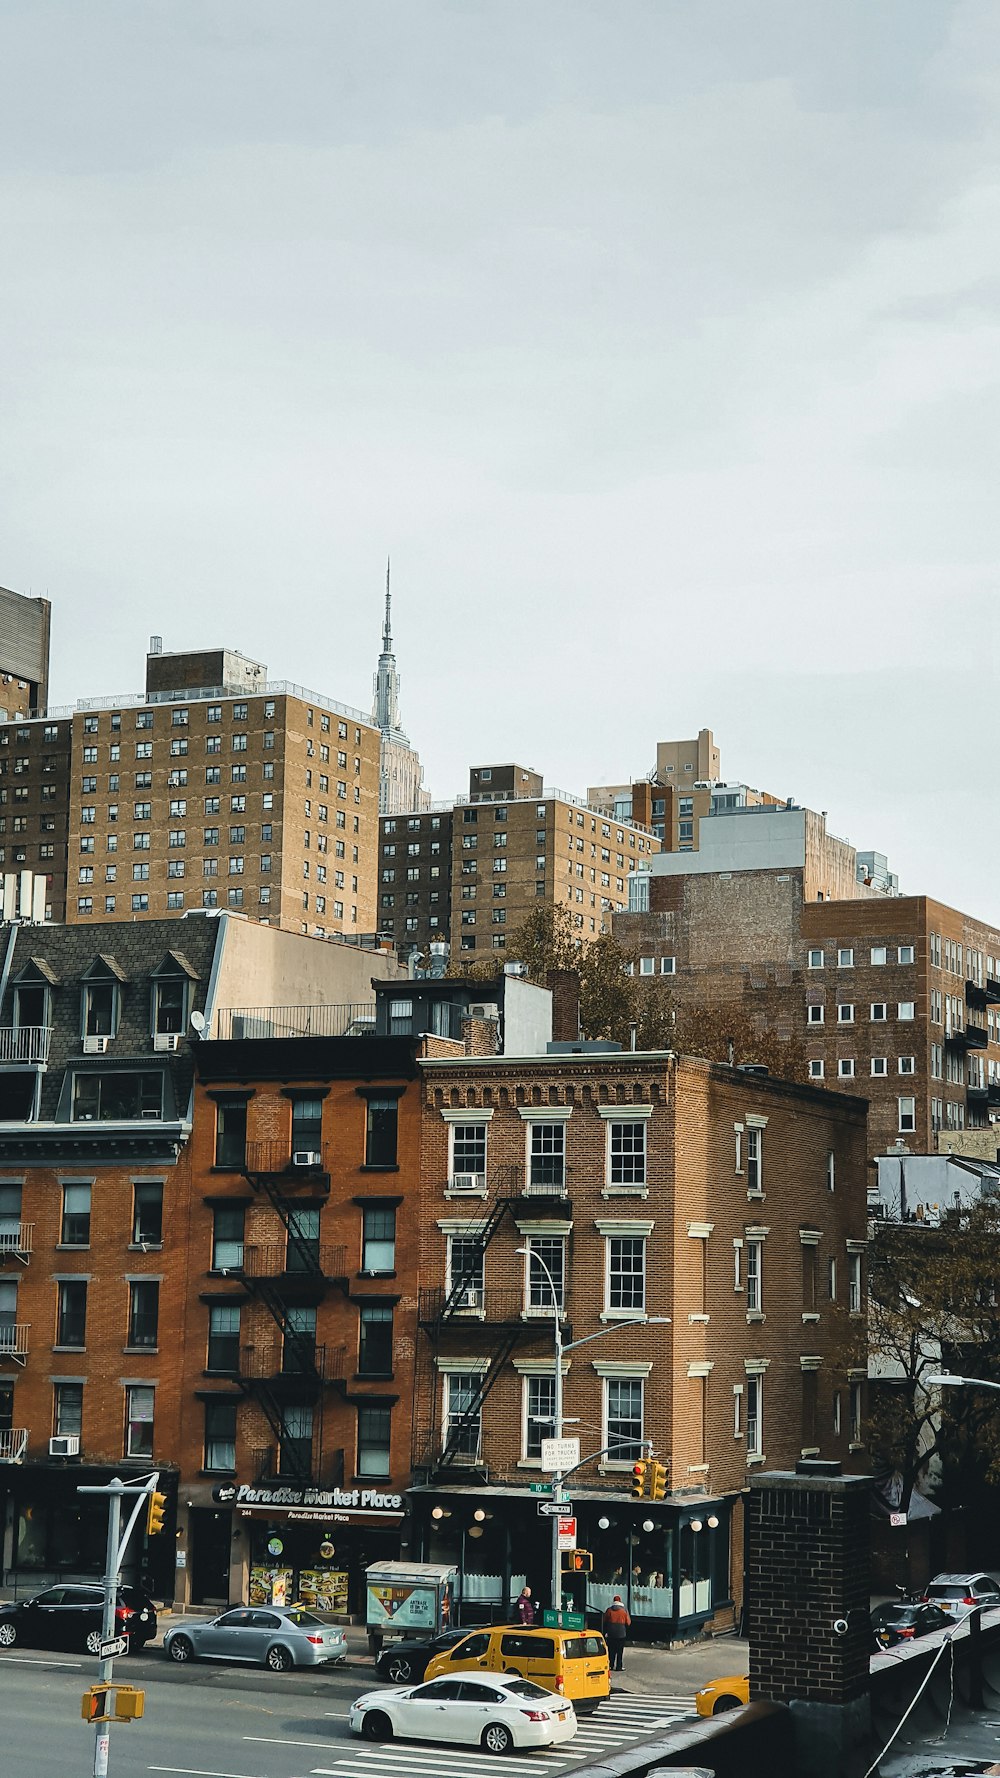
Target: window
(147, 1213)
(539, 1413)
(755, 1416)
(815, 1015)
(220, 1436)
(879, 1065)
(307, 1125)
(831, 1171)
(100, 1009)
(239, 743)
(547, 1157)
(466, 1266)
(668, 965)
(626, 1153)
(856, 1411)
(380, 1133)
(907, 1064)
(905, 1009)
(905, 953)
(375, 1340)
(879, 955)
(140, 904)
(845, 1013)
(143, 1312)
(169, 1004)
(845, 1068)
(378, 1240)
(816, 1070)
(755, 1160)
(224, 1338)
(880, 1011)
(123, 1097)
(84, 904)
(754, 1251)
(231, 1133)
(845, 958)
(71, 1329)
(374, 1433)
(139, 1420)
(74, 1229)
(546, 1268)
(227, 1237)
(67, 1409)
(626, 1282)
(623, 1418)
(468, 1152)
(854, 1283)
(907, 1115)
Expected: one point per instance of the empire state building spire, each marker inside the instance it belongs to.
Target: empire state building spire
(386, 712)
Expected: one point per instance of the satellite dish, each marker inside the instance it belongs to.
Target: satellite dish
(198, 1023)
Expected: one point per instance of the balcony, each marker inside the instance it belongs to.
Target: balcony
(277, 1159)
(289, 1265)
(14, 1341)
(17, 1241)
(976, 1037)
(978, 1094)
(993, 1092)
(13, 1444)
(25, 1043)
(282, 1364)
(348, 1019)
(493, 1308)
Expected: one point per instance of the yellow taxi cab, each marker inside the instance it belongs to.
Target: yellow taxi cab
(722, 1694)
(572, 1663)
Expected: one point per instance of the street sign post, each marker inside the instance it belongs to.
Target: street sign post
(560, 1454)
(117, 1646)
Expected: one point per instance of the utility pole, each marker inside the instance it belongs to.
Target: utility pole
(114, 1491)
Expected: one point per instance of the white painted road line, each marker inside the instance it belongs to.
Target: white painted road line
(41, 1661)
(199, 1772)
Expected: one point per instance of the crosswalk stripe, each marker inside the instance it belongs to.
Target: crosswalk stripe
(397, 1756)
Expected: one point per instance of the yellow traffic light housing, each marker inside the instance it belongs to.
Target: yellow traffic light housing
(130, 1703)
(658, 1481)
(156, 1513)
(112, 1703)
(577, 1562)
(97, 1705)
(639, 1481)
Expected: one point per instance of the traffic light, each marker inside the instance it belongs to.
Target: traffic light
(156, 1513)
(112, 1703)
(577, 1562)
(657, 1481)
(639, 1481)
(97, 1705)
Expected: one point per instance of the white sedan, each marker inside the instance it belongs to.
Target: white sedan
(497, 1712)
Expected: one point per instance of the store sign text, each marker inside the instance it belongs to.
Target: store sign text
(333, 1499)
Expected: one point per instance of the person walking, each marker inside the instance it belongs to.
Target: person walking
(525, 1608)
(616, 1627)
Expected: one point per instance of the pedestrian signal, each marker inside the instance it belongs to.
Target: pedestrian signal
(577, 1562)
(639, 1481)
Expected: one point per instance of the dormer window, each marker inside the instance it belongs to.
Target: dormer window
(100, 1009)
(169, 1004)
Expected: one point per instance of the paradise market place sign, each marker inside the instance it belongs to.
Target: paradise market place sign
(324, 1502)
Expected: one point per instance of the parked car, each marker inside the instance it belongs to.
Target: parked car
(573, 1663)
(901, 1623)
(957, 1593)
(72, 1616)
(722, 1694)
(276, 1636)
(496, 1712)
(404, 1662)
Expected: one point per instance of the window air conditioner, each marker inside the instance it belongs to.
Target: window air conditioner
(467, 1182)
(166, 1040)
(481, 1009)
(471, 1298)
(65, 1445)
(306, 1157)
(95, 1046)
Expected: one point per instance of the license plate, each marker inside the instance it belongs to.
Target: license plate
(560, 1716)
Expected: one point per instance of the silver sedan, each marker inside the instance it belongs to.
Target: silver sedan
(275, 1636)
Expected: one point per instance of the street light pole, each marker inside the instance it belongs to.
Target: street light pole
(559, 1497)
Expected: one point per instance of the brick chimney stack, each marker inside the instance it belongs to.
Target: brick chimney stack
(564, 986)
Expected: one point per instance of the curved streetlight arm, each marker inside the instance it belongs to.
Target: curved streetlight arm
(963, 1382)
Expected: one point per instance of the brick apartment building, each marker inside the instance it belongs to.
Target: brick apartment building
(647, 1185)
(473, 871)
(212, 788)
(893, 997)
(96, 1101)
(25, 626)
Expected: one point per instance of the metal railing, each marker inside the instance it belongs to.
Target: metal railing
(281, 1359)
(354, 1018)
(25, 1043)
(13, 1444)
(495, 1307)
(19, 1240)
(278, 1157)
(203, 694)
(14, 1339)
(327, 1472)
(283, 1260)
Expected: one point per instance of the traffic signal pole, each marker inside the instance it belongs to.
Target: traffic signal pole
(114, 1491)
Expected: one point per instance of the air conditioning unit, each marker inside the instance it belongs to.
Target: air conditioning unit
(467, 1182)
(471, 1298)
(95, 1046)
(166, 1040)
(306, 1157)
(483, 1009)
(64, 1445)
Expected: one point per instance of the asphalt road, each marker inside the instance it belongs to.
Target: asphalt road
(232, 1722)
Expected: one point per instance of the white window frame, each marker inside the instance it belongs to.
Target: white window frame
(755, 1158)
(817, 1069)
(907, 1120)
(754, 1274)
(639, 1232)
(905, 1010)
(845, 1068)
(879, 1011)
(816, 958)
(906, 1065)
(880, 1067)
(816, 1015)
(623, 1374)
(879, 956)
(854, 1283)
(619, 1114)
(845, 1012)
(755, 1414)
(906, 954)
(845, 957)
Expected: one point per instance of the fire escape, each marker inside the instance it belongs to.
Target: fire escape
(289, 1375)
(493, 1317)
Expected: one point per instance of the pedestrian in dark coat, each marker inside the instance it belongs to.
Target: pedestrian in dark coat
(525, 1608)
(616, 1627)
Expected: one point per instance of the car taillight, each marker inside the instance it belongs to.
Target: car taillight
(560, 1685)
(123, 1613)
(905, 1630)
(314, 1639)
(536, 1715)
(970, 1599)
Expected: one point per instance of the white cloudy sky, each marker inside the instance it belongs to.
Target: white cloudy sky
(657, 339)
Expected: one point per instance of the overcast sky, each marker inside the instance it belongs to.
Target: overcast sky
(656, 339)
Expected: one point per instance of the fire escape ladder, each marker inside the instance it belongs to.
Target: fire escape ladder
(479, 1235)
(470, 1414)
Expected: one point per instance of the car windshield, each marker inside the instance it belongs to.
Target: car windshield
(523, 1688)
(304, 1620)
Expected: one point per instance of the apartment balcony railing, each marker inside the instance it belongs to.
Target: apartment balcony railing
(496, 1308)
(282, 1260)
(346, 1019)
(25, 1043)
(279, 1157)
(976, 1036)
(17, 1241)
(282, 1361)
(13, 1444)
(14, 1340)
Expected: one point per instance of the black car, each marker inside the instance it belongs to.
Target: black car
(901, 1623)
(72, 1616)
(406, 1662)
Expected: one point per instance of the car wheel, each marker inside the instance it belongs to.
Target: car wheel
(497, 1738)
(399, 1668)
(728, 1702)
(8, 1635)
(181, 1648)
(92, 1642)
(279, 1660)
(375, 1726)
